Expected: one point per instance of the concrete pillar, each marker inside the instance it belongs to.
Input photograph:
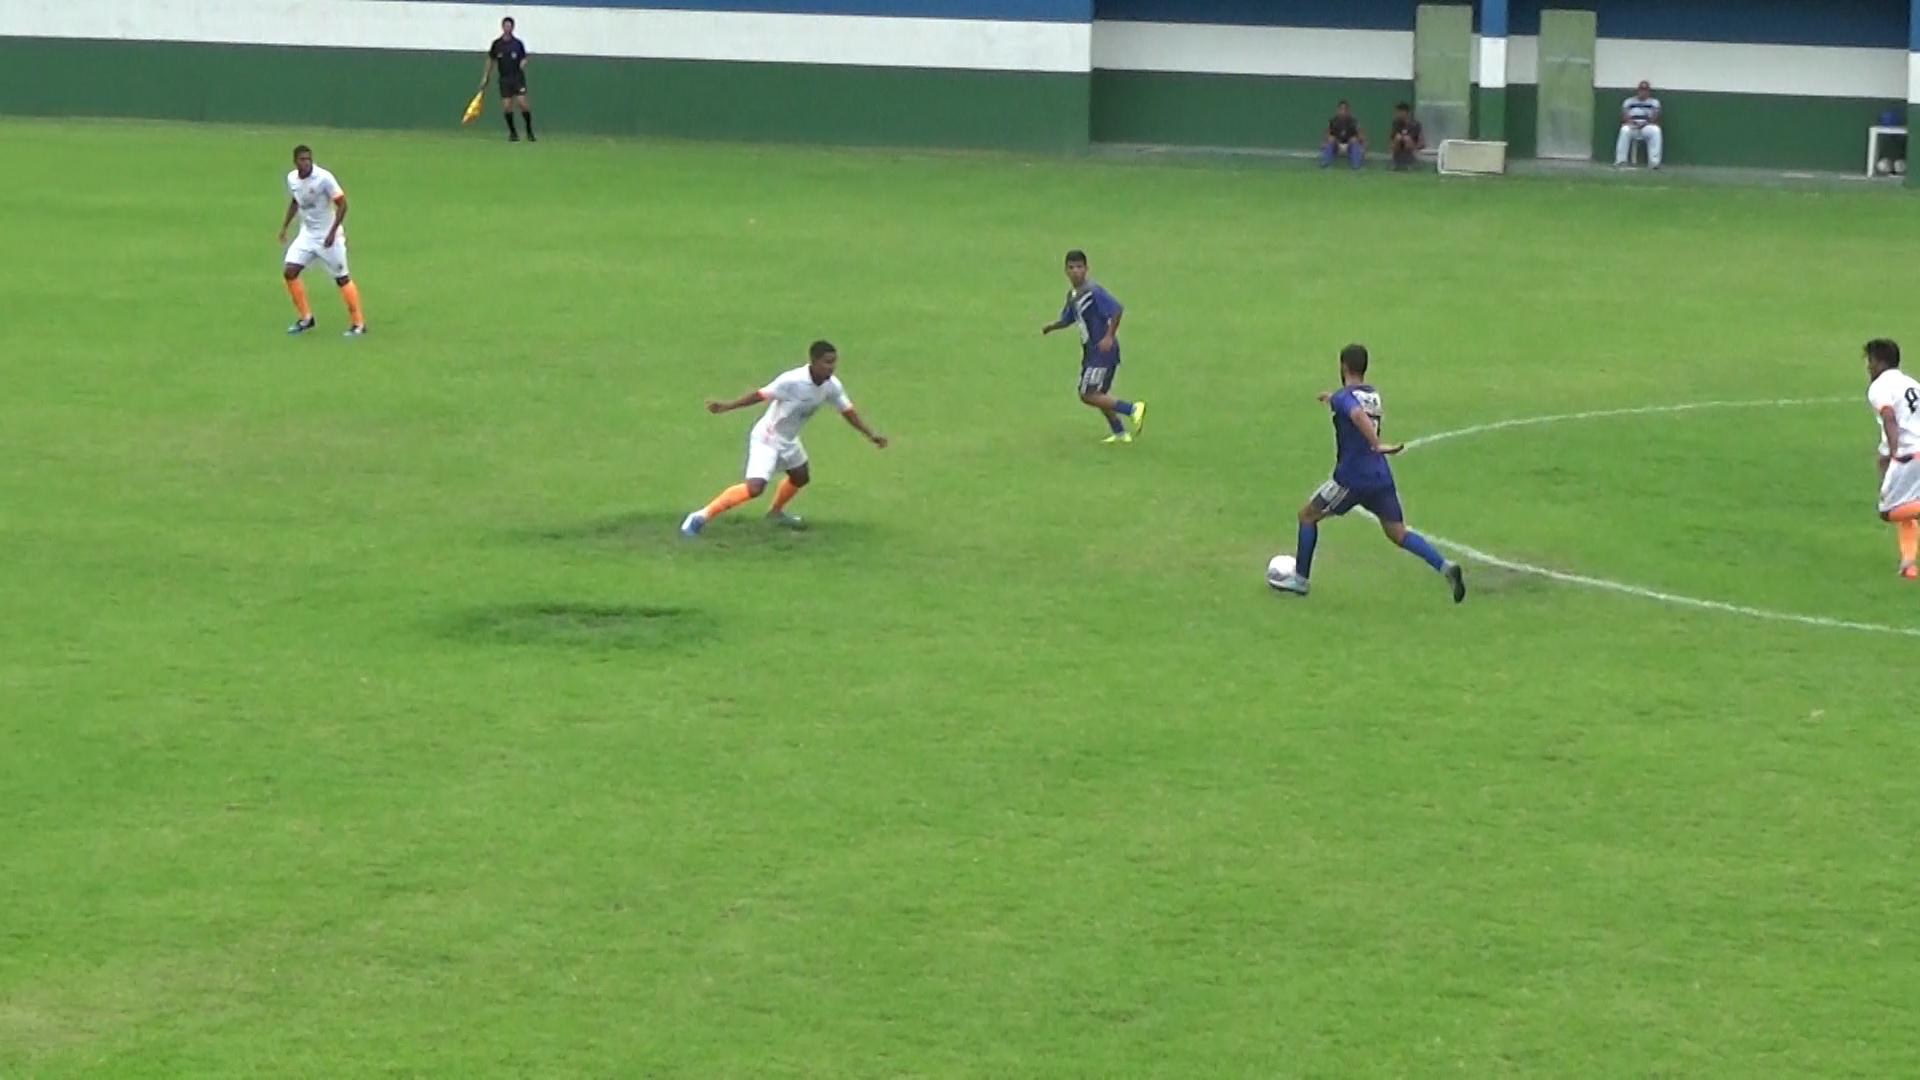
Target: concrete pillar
(1490, 101)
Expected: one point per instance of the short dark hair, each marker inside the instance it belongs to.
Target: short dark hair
(1343, 102)
(1885, 351)
(1077, 256)
(1354, 359)
(1404, 107)
(508, 22)
(303, 148)
(819, 349)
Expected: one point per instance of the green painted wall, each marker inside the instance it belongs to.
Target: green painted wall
(1745, 130)
(1757, 130)
(380, 88)
(1234, 110)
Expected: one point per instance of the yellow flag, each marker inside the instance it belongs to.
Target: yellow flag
(473, 108)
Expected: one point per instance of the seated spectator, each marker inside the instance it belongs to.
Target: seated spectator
(1639, 122)
(1407, 138)
(1344, 137)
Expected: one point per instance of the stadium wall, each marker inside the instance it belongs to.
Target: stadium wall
(964, 73)
(1775, 83)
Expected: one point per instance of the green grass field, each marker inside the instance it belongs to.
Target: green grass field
(364, 715)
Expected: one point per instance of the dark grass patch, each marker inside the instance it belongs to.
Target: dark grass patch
(622, 627)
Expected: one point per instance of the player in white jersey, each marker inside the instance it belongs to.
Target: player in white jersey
(317, 199)
(1895, 398)
(792, 398)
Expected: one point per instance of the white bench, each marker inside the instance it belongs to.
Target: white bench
(1874, 135)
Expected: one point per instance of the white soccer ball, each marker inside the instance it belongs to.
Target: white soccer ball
(1279, 570)
(1899, 166)
(1884, 166)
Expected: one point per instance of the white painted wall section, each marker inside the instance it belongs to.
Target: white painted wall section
(1298, 52)
(865, 41)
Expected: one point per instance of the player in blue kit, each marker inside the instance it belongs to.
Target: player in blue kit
(1361, 478)
(1098, 315)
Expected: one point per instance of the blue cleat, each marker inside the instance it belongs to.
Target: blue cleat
(1292, 583)
(354, 331)
(693, 524)
(302, 326)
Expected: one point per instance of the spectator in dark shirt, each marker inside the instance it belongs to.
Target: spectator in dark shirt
(1407, 139)
(1344, 137)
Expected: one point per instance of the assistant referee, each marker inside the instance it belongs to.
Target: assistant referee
(509, 53)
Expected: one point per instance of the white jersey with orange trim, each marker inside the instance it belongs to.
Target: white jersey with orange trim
(792, 399)
(1897, 390)
(315, 196)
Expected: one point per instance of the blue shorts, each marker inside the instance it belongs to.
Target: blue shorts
(1097, 378)
(1336, 499)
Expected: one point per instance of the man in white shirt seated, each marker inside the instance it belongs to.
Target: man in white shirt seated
(1639, 122)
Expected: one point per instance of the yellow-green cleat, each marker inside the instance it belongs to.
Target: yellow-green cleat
(1123, 437)
(1139, 417)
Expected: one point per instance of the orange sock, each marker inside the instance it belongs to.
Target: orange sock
(351, 293)
(727, 500)
(1909, 541)
(298, 290)
(788, 489)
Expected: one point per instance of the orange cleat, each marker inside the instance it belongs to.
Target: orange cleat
(1910, 572)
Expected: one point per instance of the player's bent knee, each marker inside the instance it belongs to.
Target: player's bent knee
(290, 271)
(755, 487)
(343, 280)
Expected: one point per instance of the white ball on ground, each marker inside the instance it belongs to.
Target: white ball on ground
(1279, 570)
(1884, 166)
(1899, 166)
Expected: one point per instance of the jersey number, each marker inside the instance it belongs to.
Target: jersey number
(1913, 399)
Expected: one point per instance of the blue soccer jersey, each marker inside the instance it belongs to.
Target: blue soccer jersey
(1357, 466)
(1093, 309)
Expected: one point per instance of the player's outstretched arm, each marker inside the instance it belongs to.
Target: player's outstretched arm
(486, 73)
(1061, 324)
(753, 398)
(861, 426)
(292, 209)
(1364, 424)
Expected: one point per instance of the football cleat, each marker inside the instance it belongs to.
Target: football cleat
(1139, 416)
(1457, 578)
(353, 331)
(693, 524)
(1121, 437)
(786, 520)
(302, 326)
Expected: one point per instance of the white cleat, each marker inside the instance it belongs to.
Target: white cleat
(693, 524)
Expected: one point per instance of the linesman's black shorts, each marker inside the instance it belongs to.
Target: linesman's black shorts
(514, 87)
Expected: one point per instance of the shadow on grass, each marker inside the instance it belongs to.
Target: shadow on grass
(613, 627)
(748, 531)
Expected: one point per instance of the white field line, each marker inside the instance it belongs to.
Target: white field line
(1603, 584)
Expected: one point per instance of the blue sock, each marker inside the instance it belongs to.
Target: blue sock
(1417, 544)
(1124, 408)
(1114, 422)
(1303, 550)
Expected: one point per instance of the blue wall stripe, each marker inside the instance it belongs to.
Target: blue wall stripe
(1074, 11)
(1913, 28)
(1875, 24)
(1341, 15)
(1491, 18)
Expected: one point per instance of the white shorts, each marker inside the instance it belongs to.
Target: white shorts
(766, 457)
(305, 249)
(1901, 486)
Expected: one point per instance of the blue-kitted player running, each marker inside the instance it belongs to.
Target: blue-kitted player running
(1098, 314)
(1362, 478)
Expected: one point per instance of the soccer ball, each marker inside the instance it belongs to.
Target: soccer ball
(1884, 166)
(1279, 570)
(1900, 166)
